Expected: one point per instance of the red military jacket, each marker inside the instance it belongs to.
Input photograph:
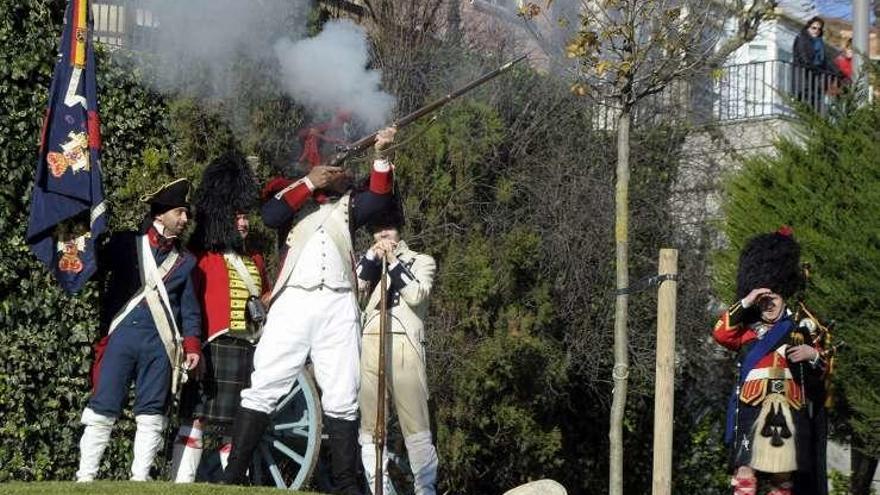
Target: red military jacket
(772, 368)
(212, 277)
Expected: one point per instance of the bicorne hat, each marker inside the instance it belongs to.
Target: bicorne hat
(391, 216)
(172, 195)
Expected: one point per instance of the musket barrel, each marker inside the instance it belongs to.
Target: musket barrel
(367, 141)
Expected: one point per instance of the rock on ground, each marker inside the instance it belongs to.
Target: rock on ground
(541, 487)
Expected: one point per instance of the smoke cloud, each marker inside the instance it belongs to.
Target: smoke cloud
(327, 73)
(217, 49)
(196, 47)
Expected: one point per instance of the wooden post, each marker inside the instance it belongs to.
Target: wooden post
(664, 384)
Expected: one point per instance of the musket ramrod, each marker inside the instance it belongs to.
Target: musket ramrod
(365, 142)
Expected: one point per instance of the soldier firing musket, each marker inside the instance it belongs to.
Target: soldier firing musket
(314, 313)
(313, 310)
(328, 179)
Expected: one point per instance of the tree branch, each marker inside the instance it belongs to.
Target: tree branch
(748, 22)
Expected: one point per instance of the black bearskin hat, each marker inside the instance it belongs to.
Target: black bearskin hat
(228, 187)
(771, 261)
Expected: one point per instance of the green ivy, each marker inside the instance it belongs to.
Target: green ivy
(147, 139)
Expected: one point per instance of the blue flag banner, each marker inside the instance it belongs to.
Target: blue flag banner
(68, 212)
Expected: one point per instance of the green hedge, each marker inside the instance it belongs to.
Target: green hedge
(47, 335)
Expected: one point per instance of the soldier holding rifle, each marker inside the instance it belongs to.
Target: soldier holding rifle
(410, 276)
(314, 312)
(314, 308)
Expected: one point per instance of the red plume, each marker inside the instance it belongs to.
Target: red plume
(785, 230)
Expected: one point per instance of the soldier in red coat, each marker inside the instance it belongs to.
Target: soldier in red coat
(767, 418)
(230, 281)
(314, 137)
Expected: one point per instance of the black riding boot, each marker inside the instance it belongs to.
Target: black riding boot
(246, 435)
(344, 455)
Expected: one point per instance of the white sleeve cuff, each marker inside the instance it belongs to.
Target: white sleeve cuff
(308, 183)
(370, 255)
(381, 165)
(744, 304)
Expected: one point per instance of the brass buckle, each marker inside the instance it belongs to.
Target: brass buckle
(777, 386)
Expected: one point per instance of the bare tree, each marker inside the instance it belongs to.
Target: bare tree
(625, 51)
(619, 53)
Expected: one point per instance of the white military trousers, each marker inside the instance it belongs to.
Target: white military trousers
(319, 322)
(405, 370)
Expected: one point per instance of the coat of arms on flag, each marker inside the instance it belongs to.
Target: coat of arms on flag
(68, 212)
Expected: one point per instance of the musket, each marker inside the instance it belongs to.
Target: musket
(379, 432)
(344, 152)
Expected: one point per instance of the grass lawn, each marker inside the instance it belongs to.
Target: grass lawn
(134, 488)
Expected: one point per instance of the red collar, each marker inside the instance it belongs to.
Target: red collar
(158, 241)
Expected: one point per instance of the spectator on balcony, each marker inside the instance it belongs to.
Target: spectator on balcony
(843, 62)
(811, 71)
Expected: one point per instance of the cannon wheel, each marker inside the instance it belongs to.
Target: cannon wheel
(289, 451)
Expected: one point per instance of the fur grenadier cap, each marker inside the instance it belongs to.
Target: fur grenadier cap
(228, 187)
(771, 261)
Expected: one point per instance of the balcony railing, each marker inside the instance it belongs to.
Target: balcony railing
(739, 92)
(735, 93)
(763, 89)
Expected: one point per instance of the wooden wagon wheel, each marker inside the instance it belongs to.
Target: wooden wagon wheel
(289, 450)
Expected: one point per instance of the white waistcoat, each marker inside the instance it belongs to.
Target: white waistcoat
(321, 239)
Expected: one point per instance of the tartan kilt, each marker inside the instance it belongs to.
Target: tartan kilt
(229, 362)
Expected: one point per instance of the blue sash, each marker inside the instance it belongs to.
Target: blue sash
(770, 342)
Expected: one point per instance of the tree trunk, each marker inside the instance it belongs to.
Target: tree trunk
(620, 371)
(453, 21)
(863, 469)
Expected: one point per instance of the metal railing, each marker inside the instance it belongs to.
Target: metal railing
(738, 92)
(734, 93)
(762, 90)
